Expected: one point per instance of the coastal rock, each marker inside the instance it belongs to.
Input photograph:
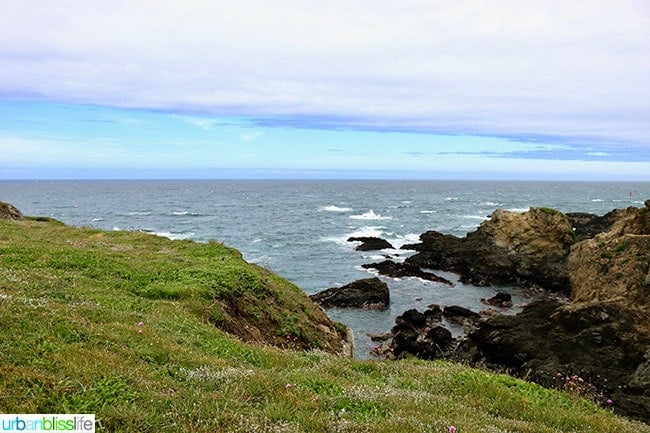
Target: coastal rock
(9, 212)
(369, 293)
(420, 335)
(501, 300)
(615, 264)
(459, 314)
(401, 270)
(586, 225)
(370, 243)
(599, 342)
(412, 318)
(602, 334)
(529, 248)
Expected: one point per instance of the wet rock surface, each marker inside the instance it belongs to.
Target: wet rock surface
(370, 243)
(369, 293)
(401, 270)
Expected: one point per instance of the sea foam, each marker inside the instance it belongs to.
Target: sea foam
(335, 209)
(370, 215)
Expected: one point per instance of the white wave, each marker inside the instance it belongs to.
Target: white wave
(451, 198)
(181, 213)
(117, 229)
(174, 236)
(597, 200)
(409, 238)
(371, 215)
(638, 202)
(367, 231)
(256, 241)
(374, 257)
(335, 209)
(138, 213)
(428, 211)
(519, 209)
(475, 217)
(491, 203)
(94, 220)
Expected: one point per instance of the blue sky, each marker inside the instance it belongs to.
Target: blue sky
(422, 89)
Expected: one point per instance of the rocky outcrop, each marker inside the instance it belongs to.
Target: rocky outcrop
(9, 212)
(616, 263)
(528, 248)
(597, 341)
(369, 293)
(371, 243)
(401, 270)
(600, 336)
(420, 334)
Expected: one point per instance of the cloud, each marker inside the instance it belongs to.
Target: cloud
(529, 68)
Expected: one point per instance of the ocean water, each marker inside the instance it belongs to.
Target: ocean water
(299, 228)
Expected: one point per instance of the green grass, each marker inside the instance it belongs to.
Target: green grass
(70, 304)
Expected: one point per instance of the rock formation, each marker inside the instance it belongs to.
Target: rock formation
(371, 243)
(401, 270)
(601, 336)
(509, 248)
(9, 212)
(369, 293)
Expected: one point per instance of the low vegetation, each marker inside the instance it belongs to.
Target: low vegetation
(142, 331)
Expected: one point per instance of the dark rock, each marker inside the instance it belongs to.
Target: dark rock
(434, 312)
(369, 293)
(416, 335)
(501, 300)
(371, 243)
(597, 340)
(406, 341)
(401, 270)
(9, 212)
(439, 337)
(586, 225)
(412, 318)
(459, 314)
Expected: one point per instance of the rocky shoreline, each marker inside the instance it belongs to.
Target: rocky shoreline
(590, 335)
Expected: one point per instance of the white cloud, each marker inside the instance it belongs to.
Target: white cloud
(500, 67)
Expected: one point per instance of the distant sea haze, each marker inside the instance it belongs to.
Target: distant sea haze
(300, 228)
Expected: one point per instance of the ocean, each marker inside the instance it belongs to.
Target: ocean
(299, 228)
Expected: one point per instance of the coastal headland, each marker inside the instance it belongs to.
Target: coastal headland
(152, 334)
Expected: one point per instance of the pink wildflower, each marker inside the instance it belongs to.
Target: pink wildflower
(451, 429)
(610, 401)
(139, 331)
(140, 324)
(288, 386)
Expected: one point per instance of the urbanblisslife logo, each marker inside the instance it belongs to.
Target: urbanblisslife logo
(71, 423)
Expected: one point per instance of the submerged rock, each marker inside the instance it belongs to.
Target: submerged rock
(369, 293)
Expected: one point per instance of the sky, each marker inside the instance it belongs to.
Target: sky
(431, 89)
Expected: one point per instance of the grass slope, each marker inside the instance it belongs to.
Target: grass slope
(70, 341)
